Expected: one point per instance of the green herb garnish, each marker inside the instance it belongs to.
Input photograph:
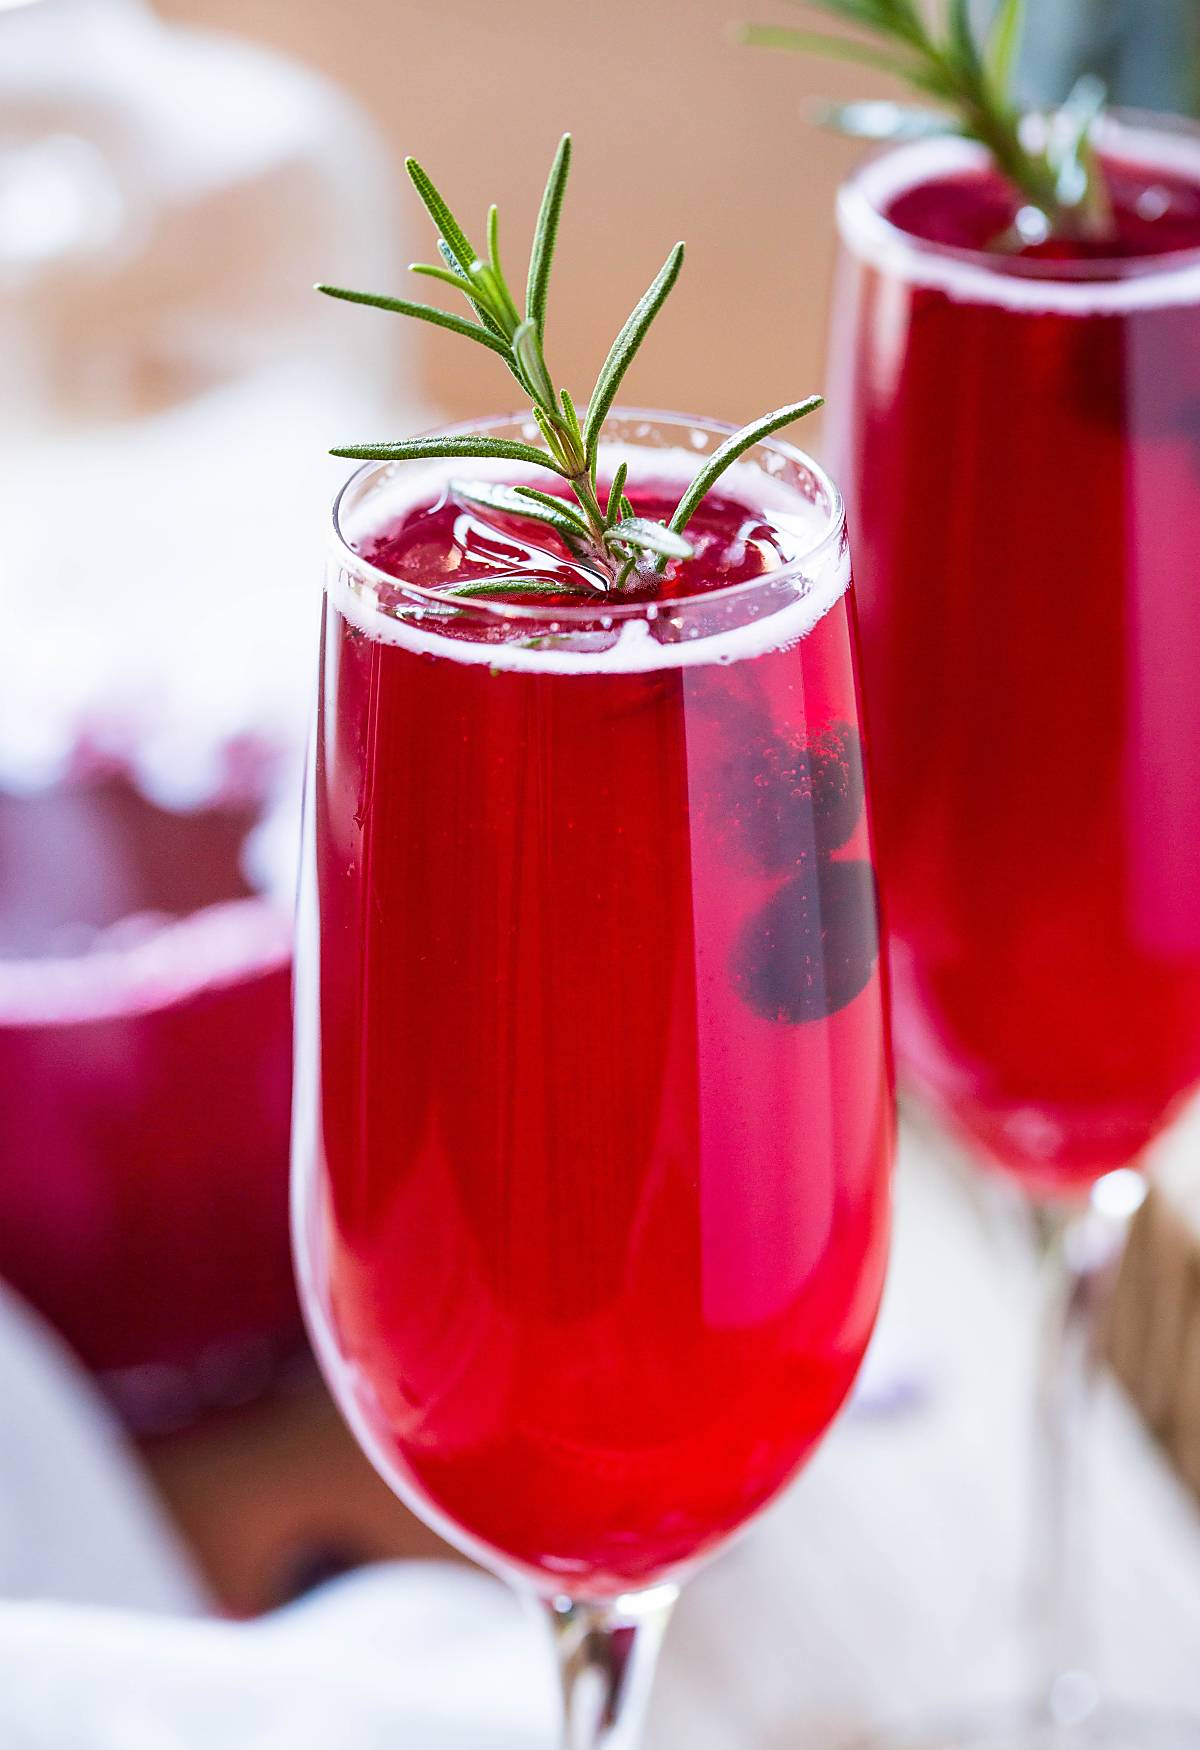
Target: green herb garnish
(1049, 159)
(607, 538)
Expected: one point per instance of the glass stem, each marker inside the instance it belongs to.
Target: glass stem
(606, 1654)
(1080, 1248)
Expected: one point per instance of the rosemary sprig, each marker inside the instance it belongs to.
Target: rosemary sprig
(609, 540)
(1049, 160)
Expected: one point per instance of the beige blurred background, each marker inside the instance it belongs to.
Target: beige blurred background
(679, 133)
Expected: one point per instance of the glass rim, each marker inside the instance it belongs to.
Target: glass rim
(221, 947)
(1102, 283)
(609, 608)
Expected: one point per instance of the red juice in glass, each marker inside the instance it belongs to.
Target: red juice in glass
(1019, 438)
(145, 1071)
(593, 1119)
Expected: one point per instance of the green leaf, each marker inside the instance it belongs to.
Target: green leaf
(1003, 47)
(462, 282)
(625, 346)
(422, 448)
(727, 453)
(1079, 181)
(423, 313)
(449, 229)
(838, 48)
(615, 494)
(571, 415)
(896, 18)
(451, 261)
(447, 276)
(533, 367)
(883, 121)
(650, 537)
(552, 433)
(563, 505)
(962, 45)
(509, 586)
(545, 236)
(491, 291)
(904, 18)
(873, 14)
(552, 513)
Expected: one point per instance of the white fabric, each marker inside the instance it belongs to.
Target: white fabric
(77, 1519)
(422, 1656)
(100, 1643)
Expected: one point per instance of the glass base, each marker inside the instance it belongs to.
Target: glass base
(1108, 1727)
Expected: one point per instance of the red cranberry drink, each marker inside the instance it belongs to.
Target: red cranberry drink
(144, 1089)
(594, 1205)
(1016, 388)
(593, 1108)
(1019, 435)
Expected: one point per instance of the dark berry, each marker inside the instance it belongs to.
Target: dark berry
(770, 817)
(776, 799)
(835, 774)
(813, 946)
(789, 801)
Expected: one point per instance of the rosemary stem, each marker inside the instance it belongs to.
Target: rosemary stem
(610, 545)
(581, 485)
(585, 492)
(972, 75)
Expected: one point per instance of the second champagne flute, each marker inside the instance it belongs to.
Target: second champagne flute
(1031, 652)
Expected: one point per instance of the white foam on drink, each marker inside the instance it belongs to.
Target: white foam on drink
(646, 636)
(1154, 282)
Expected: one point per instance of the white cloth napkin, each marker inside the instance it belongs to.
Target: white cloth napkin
(422, 1656)
(78, 1520)
(103, 1645)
